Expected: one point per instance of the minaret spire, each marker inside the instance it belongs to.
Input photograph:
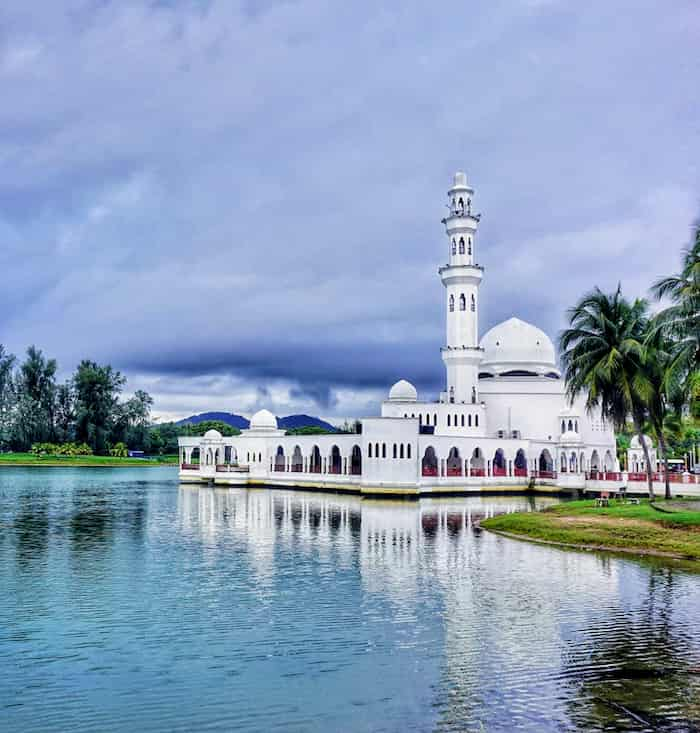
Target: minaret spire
(461, 278)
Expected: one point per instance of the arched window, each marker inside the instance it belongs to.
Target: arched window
(563, 426)
(461, 245)
(462, 420)
(456, 423)
(452, 303)
(469, 246)
(473, 303)
(462, 302)
(449, 420)
(383, 450)
(394, 450)
(369, 451)
(435, 418)
(454, 247)
(576, 425)
(408, 450)
(476, 421)
(401, 451)
(571, 425)
(469, 421)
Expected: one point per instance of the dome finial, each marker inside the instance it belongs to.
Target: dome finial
(460, 178)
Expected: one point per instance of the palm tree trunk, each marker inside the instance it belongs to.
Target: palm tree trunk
(664, 455)
(647, 458)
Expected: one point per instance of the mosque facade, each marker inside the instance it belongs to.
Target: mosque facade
(503, 420)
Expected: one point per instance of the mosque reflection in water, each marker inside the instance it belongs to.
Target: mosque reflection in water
(527, 635)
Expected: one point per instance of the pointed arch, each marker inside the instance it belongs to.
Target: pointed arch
(335, 463)
(462, 302)
(454, 462)
(315, 460)
(520, 463)
(452, 303)
(356, 461)
(429, 464)
(499, 463)
(473, 303)
(279, 459)
(297, 460)
(477, 466)
(546, 464)
(461, 245)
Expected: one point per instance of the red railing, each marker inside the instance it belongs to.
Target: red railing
(190, 466)
(452, 471)
(477, 472)
(334, 469)
(355, 471)
(430, 471)
(280, 469)
(297, 468)
(520, 471)
(496, 471)
(544, 474)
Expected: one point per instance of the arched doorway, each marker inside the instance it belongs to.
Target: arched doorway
(562, 463)
(429, 464)
(520, 463)
(356, 461)
(573, 463)
(335, 464)
(297, 460)
(279, 459)
(477, 467)
(315, 460)
(546, 464)
(499, 463)
(595, 462)
(608, 463)
(454, 463)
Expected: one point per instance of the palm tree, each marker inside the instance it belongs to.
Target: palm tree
(681, 320)
(602, 354)
(662, 393)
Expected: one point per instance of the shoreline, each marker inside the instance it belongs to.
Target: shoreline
(644, 530)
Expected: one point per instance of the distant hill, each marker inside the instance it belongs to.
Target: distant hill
(240, 422)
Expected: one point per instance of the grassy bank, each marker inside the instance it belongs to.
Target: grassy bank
(665, 528)
(29, 459)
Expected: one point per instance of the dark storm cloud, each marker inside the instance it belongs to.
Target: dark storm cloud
(242, 201)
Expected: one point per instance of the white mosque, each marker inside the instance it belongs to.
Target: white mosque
(502, 422)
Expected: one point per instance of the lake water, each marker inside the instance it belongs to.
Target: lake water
(129, 602)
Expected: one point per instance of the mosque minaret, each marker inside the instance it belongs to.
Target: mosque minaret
(503, 419)
(461, 277)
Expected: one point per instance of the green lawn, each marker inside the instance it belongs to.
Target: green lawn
(29, 459)
(672, 529)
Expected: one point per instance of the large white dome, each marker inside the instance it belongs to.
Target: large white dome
(263, 420)
(403, 391)
(212, 435)
(517, 348)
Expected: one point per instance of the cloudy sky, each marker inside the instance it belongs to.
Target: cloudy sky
(238, 203)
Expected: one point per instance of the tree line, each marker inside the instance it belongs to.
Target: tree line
(640, 368)
(85, 410)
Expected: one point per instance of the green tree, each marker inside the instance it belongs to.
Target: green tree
(35, 388)
(681, 320)
(7, 396)
(64, 414)
(97, 390)
(602, 354)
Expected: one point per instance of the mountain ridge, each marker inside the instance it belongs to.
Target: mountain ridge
(286, 422)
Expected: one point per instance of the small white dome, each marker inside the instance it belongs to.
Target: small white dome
(263, 420)
(403, 391)
(518, 347)
(460, 178)
(570, 437)
(635, 443)
(212, 435)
